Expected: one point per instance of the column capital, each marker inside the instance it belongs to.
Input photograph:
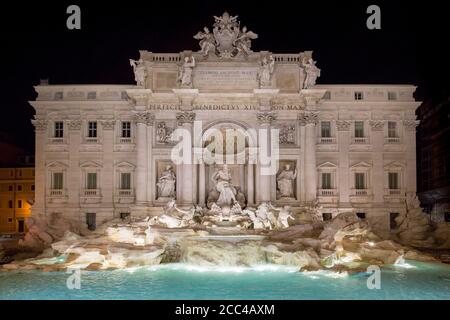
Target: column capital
(308, 117)
(343, 125)
(376, 125)
(39, 124)
(74, 124)
(108, 124)
(266, 118)
(411, 125)
(185, 117)
(144, 117)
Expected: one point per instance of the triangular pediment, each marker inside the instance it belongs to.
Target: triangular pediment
(90, 164)
(328, 165)
(57, 164)
(362, 164)
(394, 165)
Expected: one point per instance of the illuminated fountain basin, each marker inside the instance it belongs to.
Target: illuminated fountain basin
(409, 280)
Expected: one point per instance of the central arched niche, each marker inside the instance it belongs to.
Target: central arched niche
(229, 142)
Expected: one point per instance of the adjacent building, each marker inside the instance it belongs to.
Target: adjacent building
(16, 195)
(433, 165)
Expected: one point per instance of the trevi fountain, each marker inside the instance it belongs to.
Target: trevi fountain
(221, 230)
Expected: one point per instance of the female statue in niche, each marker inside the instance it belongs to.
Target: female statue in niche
(166, 183)
(285, 182)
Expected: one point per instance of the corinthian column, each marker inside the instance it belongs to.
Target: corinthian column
(309, 120)
(185, 120)
(141, 118)
(265, 120)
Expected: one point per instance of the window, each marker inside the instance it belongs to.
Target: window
(447, 216)
(19, 204)
(10, 204)
(91, 222)
(59, 129)
(92, 95)
(327, 95)
(20, 173)
(326, 129)
(19, 187)
(58, 95)
(327, 216)
(10, 220)
(393, 180)
(358, 95)
(392, 222)
(125, 180)
(326, 180)
(359, 181)
(392, 129)
(57, 180)
(359, 129)
(126, 129)
(361, 215)
(32, 187)
(10, 188)
(91, 182)
(92, 129)
(124, 215)
(392, 96)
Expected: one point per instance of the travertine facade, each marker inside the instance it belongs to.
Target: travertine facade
(106, 149)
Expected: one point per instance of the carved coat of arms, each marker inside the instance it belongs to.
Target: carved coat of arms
(227, 39)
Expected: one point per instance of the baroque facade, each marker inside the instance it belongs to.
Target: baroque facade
(105, 151)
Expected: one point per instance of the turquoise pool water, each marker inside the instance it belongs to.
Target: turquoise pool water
(179, 281)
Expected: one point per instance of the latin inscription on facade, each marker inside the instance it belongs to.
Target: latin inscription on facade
(219, 78)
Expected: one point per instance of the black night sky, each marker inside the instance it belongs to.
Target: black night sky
(410, 48)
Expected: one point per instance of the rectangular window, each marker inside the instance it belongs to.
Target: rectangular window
(125, 180)
(358, 95)
(326, 129)
(59, 129)
(126, 129)
(19, 187)
(392, 96)
(361, 215)
(57, 182)
(91, 180)
(326, 180)
(359, 181)
(10, 204)
(326, 216)
(19, 204)
(32, 187)
(359, 129)
(392, 129)
(393, 180)
(92, 129)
